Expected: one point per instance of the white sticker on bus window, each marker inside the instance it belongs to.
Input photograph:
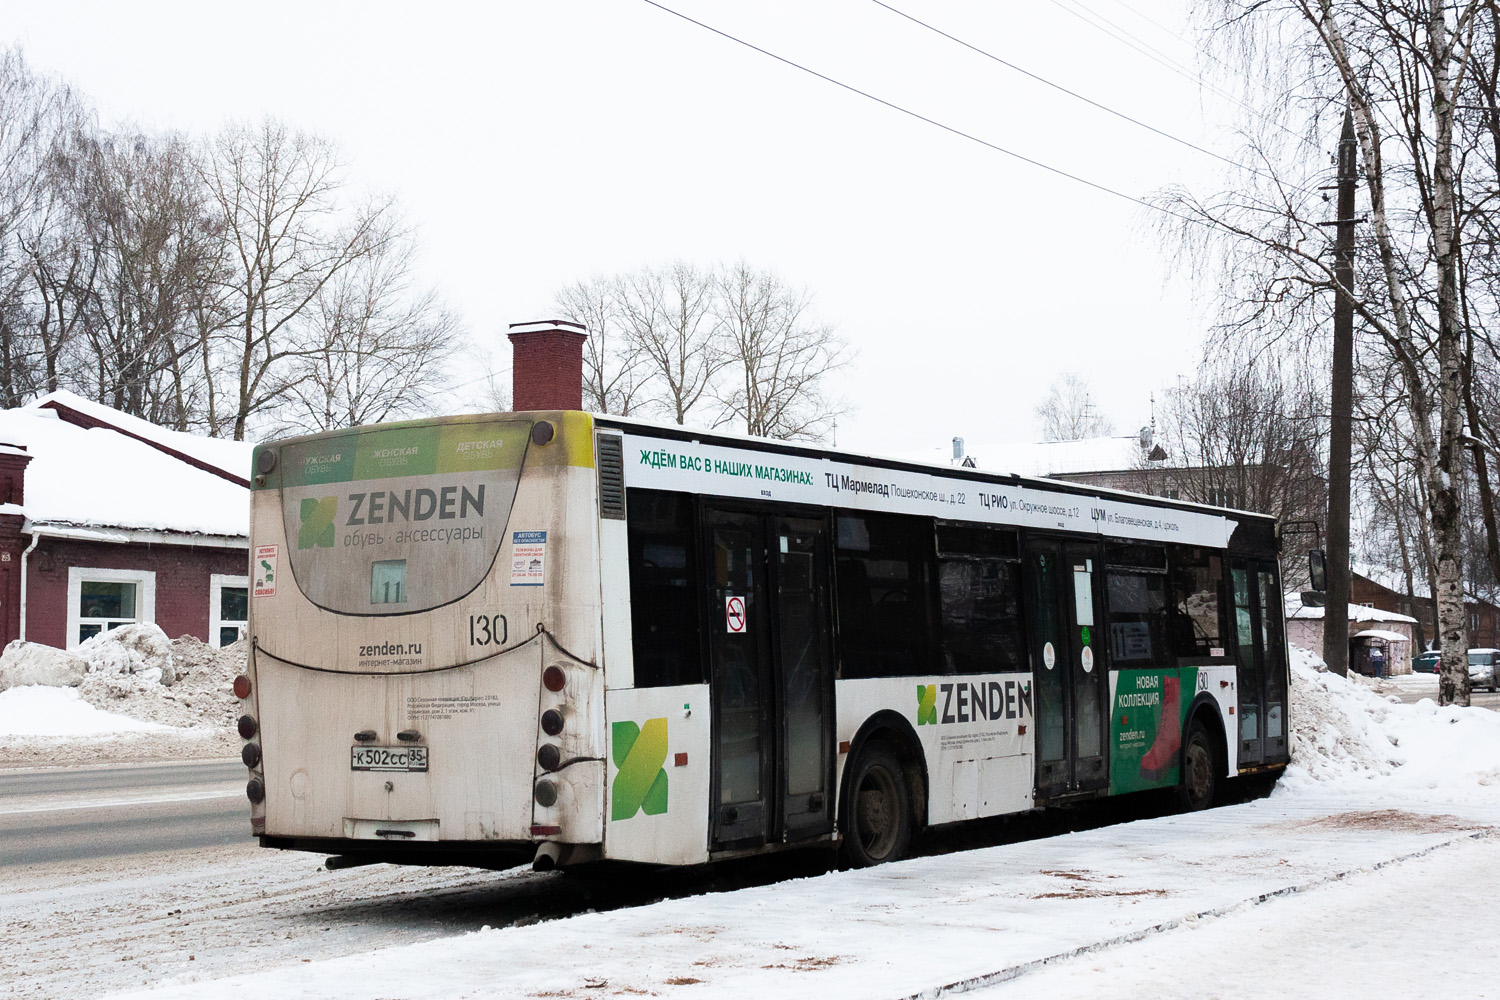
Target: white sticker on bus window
(528, 558)
(1049, 656)
(1088, 659)
(734, 614)
(1083, 595)
(265, 570)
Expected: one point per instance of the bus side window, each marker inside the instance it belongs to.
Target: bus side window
(1196, 576)
(663, 589)
(979, 585)
(1136, 589)
(884, 595)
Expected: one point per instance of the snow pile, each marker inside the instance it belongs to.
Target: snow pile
(1342, 730)
(36, 710)
(138, 672)
(1337, 724)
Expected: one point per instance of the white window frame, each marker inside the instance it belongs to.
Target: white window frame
(145, 594)
(216, 584)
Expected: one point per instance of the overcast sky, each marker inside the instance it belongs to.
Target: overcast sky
(538, 143)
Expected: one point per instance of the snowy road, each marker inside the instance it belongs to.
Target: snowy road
(71, 814)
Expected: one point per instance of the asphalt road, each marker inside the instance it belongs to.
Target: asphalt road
(1479, 699)
(72, 814)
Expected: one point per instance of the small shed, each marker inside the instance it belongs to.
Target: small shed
(1369, 629)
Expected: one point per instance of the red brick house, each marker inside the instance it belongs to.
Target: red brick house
(107, 519)
(1383, 589)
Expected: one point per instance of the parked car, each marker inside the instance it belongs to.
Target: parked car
(1482, 668)
(1430, 662)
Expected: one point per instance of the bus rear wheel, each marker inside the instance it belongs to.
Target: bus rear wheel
(1198, 784)
(877, 814)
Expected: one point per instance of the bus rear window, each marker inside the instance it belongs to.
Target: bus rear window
(396, 520)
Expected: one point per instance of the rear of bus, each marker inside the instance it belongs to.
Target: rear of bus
(424, 619)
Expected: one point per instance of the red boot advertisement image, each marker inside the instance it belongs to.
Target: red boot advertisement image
(1146, 726)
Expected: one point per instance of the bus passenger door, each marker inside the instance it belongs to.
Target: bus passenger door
(739, 631)
(770, 671)
(804, 671)
(1069, 678)
(1261, 657)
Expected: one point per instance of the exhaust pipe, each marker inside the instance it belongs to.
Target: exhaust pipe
(548, 857)
(339, 861)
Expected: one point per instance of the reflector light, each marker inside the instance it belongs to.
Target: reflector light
(255, 791)
(246, 726)
(545, 831)
(541, 432)
(546, 793)
(553, 678)
(552, 722)
(242, 686)
(549, 756)
(250, 754)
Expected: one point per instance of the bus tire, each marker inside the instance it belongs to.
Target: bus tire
(1199, 781)
(877, 822)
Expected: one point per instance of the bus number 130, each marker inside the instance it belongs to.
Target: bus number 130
(485, 630)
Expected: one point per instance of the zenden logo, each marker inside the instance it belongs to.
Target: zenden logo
(641, 781)
(318, 516)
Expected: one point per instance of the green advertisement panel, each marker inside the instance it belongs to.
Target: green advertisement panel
(1149, 709)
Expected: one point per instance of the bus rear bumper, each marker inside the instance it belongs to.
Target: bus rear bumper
(347, 853)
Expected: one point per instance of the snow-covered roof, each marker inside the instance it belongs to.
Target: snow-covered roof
(98, 477)
(1055, 458)
(1381, 633)
(232, 457)
(1357, 612)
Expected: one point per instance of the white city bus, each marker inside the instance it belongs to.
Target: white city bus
(564, 638)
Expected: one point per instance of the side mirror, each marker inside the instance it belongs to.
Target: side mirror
(1317, 570)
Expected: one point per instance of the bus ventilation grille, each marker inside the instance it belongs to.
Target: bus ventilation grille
(611, 476)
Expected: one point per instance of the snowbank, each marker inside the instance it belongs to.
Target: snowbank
(34, 710)
(1345, 732)
(153, 697)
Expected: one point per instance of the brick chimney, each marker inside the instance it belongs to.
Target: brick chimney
(547, 365)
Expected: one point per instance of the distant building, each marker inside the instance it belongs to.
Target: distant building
(1369, 629)
(1382, 588)
(107, 519)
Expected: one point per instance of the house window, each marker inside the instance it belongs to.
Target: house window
(104, 599)
(228, 606)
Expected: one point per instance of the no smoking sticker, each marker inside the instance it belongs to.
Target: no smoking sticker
(734, 614)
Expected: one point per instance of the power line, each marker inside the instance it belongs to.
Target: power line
(930, 121)
(1071, 93)
(1129, 40)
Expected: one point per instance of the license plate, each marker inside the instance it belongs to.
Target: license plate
(387, 758)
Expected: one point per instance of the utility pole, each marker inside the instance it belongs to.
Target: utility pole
(1336, 607)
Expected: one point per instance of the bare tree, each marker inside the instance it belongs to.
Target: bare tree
(779, 359)
(1398, 69)
(287, 234)
(1243, 435)
(671, 327)
(1067, 414)
(376, 344)
(613, 362)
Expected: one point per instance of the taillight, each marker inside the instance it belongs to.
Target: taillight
(549, 756)
(553, 678)
(247, 727)
(255, 791)
(546, 793)
(552, 722)
(242, 686)
(250, 754)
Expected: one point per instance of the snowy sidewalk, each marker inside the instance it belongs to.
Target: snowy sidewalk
(968, 918)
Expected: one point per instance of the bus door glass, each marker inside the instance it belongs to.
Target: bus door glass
(1067, 673)
(771, 675)
(804, 665)
(739, 664)
(1273, 657)
(1250, 643)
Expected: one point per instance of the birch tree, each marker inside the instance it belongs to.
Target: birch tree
(1398, 68)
